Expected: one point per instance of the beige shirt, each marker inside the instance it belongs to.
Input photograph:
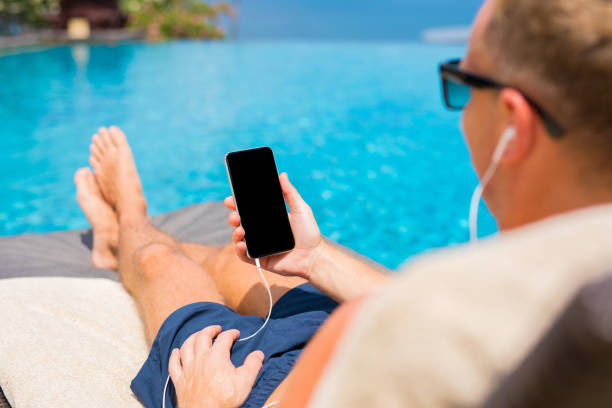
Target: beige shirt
(445, 331)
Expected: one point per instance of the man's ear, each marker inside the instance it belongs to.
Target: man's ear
(518, 113)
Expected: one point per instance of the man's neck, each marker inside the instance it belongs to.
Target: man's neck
(551, 202)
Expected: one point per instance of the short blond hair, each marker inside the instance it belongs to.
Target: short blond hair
(562, 50)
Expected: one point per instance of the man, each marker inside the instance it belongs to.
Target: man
(536, 72)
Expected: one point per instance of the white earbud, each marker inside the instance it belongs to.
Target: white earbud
(506, 138)
(498, 154)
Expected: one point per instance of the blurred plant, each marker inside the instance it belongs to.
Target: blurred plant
(164, 19)
(159, 19)
(31, 12)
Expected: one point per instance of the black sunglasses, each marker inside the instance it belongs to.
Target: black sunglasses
(456, 85)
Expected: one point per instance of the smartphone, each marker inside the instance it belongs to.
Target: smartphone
(259, 201)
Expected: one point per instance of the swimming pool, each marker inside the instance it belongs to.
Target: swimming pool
(359, 127)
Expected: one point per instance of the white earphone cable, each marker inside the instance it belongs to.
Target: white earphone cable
(507, 136)
(263, 278)
(244, 338)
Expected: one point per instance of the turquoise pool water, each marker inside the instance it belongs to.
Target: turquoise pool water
(359, 127)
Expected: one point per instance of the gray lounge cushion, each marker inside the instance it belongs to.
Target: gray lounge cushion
(67, 253)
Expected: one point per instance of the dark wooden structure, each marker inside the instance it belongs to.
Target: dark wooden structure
(101, 14)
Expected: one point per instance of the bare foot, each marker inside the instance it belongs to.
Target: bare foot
(116, 174)
(102, 218)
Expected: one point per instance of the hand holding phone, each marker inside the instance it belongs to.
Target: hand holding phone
(307, 237)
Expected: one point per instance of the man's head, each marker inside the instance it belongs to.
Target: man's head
(558, 54)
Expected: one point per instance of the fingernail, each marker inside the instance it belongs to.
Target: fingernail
(260, 355)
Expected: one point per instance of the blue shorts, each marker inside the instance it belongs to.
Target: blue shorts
(296, 316)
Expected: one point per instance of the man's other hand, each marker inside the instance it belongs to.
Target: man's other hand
(203, 374)
(308, 240)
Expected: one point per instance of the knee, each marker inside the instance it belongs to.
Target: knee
(152, 259)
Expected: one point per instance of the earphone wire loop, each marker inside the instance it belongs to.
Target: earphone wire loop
(257, 264)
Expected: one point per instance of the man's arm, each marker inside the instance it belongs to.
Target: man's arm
(333, 272)
(340, 276)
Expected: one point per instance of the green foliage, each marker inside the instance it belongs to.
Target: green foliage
(32, 12)
(159, 19)
(164, 19)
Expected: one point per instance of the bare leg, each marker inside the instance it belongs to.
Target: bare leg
(151, 264)
(238, 281)
(159, 276)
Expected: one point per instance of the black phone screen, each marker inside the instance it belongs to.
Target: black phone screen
(259, 201)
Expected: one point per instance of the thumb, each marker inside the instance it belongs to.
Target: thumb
(174, 367)
(295, 201)
(251, 367)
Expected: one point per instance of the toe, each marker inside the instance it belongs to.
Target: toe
(88, 177)
(89, 184)
(97, 141)
(95, 164)
(80, 174)
(84, 180)
(117, 136)
(105, 136)
(95, 152)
